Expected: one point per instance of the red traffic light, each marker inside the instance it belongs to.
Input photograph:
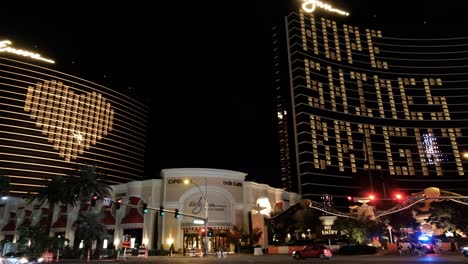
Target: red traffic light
(371, 197)
(118, 203)
(94, 198)
(398, 196)
(350, 198)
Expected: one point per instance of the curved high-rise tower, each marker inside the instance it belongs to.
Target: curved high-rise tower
(361, 111)
(50, 122)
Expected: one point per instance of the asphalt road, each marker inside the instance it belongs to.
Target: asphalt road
(451, 258)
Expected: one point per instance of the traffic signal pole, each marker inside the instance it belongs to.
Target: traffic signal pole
(164, 210)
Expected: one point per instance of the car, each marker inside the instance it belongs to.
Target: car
(21, 257)
(334, 245)
(313, 251)
(464, 251)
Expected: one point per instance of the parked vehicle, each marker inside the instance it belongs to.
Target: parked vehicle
(464, 251)
(20, 258)
(333, 245)
(313, 251)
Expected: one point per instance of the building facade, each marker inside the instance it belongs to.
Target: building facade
(360, 112)
(231, 200)
(52, 122)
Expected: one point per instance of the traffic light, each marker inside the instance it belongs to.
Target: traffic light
(372, 197)
(176, 213)
(94, 198)
(350, 199)
(145, 208)
(161, 211)
(210, 232)
(202, 232)
(398, 196)
(118, 203)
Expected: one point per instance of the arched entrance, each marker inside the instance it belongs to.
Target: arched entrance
(194, 239)
(220, 218)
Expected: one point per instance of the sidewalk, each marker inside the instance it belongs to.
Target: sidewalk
(405, 253)
(178, 256)
(233, 256)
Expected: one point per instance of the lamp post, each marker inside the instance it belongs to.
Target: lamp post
(205, 198)
(389, 227)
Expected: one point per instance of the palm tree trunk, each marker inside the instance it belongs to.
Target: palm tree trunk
(98, 251)
(89, 247)
(50, 219)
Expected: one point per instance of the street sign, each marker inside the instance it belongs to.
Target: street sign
(106, 201)
(126, 243)
(329, 231)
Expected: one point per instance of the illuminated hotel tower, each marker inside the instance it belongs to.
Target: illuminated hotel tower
(51, 122)
(360, 111)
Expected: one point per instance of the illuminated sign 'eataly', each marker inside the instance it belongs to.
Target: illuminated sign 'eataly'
(5, 47)
(310, 5)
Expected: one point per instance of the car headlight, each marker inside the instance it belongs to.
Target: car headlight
(40, 259)
(23, 260)
(465, 248)
(294, 252)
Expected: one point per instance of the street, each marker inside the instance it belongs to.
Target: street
(452, 257)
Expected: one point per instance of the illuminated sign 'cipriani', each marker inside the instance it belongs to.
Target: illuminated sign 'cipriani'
(310, 5)
(5, 47)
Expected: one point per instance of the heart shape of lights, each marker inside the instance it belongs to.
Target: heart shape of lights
(71, 122)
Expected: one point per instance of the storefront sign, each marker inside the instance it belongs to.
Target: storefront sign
(329, 231)
(175, 181)
(232, 183)
(310, 5)
(5, 46)
(197, 206)
(216, 207)
(225, 182)
(199, 221)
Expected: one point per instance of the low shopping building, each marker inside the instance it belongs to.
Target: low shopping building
(223, 197)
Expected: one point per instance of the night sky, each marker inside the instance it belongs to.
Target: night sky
(204, 67)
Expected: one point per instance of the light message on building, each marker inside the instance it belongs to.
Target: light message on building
(5, 47)
(344, 72)
(310, 5)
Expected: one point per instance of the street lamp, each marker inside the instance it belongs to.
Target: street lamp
(205, 198)
(389, 227)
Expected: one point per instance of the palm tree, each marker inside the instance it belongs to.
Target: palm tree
(67, 191)
(4, 183)
(89, 228)
(87, 182)
(34, 235)
(57, 191)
